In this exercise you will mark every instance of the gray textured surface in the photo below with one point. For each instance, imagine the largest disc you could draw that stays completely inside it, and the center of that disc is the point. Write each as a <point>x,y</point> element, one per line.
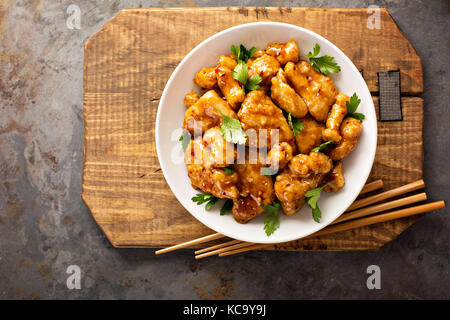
<point>44,225</point>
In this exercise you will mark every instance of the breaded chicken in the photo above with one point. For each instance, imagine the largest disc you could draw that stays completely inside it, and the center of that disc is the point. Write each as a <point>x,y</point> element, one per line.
<point>230,87</point>
<point>205,112</point>
<point>228,61</point>
<point>259,112</point>
<point>334,120</point>
<point>286,97</point>
<point>335,178</point>
<point>311,136</point>
<point>190,99</point>
<point>303,173</point>
<point>284,52</point>
<point>255,190</point>
<point>266,66</point>
<point>316,89</point>
<point>205,176</point>
<point>350,129</point>
<point>279,156</point>
<point>206,78</point>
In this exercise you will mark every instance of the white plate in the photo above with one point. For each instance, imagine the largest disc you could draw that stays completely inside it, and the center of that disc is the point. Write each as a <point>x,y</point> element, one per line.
<point>170,118</point>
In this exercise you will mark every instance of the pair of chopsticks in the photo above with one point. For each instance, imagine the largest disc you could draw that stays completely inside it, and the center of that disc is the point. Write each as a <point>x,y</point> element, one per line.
<point>357,215</point>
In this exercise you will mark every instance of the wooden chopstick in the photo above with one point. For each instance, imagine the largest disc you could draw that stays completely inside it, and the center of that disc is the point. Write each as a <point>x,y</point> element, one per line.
<point>377,184</point>
<point>372,186</point>
<point>233,247</point>
<point>210,237</point>
<point>227,246</point>
<point>416,185</point>
<point>381,207</point>
<point>356,224</point>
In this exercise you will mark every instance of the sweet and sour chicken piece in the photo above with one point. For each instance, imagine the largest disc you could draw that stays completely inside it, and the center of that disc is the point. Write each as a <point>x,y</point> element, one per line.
<point>228,61</point>
<point>303,173</point>
<point>190,99</point>
<point>206,78</point>
<point>280,155</point>
<point>205,113</point>
<point>311,136</point>
<point>286,97</point>
<point>335,178</point>
<point>334,120</point>
<point>266,66</point>
<point>284,52</point>
<point>259,112</point>
<point>205,176</point>
<point>316,89</point>
<point>350,129</point>
<point>255,190</point>
<point>230,87</point>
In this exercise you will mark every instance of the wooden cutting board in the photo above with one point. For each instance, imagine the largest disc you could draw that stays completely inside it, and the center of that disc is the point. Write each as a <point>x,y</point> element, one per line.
<point>126,66</point>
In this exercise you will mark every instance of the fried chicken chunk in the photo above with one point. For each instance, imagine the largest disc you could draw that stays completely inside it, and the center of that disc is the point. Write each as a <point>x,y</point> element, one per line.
<point>259,112</point>
<point>350,130</point>
<point>206,78</point>
<point>255,190</point>
<point>228,61</point>
<point>311,136</point>
<point>286,97</point>
<point>280,155</point>
<point>205,112</point>
<point>266,66</point>
<point>335,178</point>
<point>316,89</point>
<point>303,173</point>
<point>199,159</point>
<point>190,99</point>
<point>230,87</point>
<point>334,120</point>
<point>284,52</point>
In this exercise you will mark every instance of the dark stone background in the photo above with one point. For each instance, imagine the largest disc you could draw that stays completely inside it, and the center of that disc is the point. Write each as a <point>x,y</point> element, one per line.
<point>45,226</point>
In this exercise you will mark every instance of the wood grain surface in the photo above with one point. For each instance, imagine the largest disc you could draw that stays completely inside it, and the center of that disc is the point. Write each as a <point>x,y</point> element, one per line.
<point>126,66</point>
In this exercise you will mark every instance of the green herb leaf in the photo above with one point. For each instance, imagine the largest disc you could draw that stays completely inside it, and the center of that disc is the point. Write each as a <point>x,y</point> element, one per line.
<point>295,124</point>
<point>252,82</point>
<point>324,64</point>
<point>236,51</point>
<point>274,207</point>
<point>240,72</point>
<point>226,208</point>
<point>323,146</point>
<point>352,105</point>
<point>312,196</point>
<point>201,198</point>
<point>185,140</point>
<point>232,131</point>
<point>268,171</point>
<point>228,170</point>
<point>245,53</point>
<point>211,203</point>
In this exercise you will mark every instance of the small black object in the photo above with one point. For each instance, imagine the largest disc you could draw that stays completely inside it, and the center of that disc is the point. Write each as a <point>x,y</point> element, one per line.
<point>390,99</point>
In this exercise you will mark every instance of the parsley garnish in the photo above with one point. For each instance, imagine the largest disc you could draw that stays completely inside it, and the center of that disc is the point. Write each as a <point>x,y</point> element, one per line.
<point>185,139</point>
<point>352,105</point>
<point>226,208</point>
<point>314,195</point>
<point>201,198</point>
<point>232,131</point>
<point>241,52</point>
<point>228,170</point>
<point>267,171</point>
<point>240,73</point>
<point>296,125</point>
<point>324,64</point>
<point>323,146</point>
<point>271,222</point>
